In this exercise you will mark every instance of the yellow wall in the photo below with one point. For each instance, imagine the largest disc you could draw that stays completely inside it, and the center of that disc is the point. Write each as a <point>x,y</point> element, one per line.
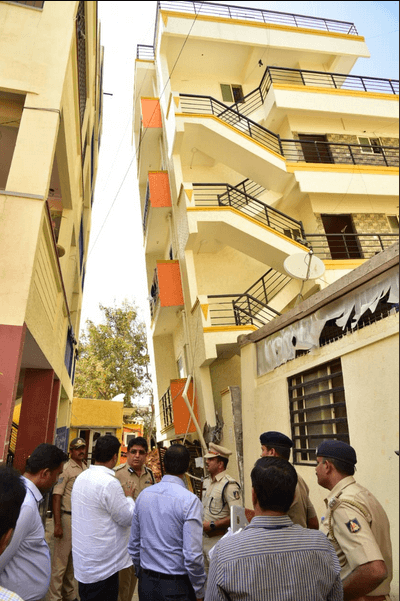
<point>95,413</point>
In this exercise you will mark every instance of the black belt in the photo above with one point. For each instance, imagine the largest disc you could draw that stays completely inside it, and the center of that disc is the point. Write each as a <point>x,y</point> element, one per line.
<point>67,512</point>
<point>160,576</point>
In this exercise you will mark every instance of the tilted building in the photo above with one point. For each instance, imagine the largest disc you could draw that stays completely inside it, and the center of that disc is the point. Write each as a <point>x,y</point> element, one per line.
<point>50,125</point>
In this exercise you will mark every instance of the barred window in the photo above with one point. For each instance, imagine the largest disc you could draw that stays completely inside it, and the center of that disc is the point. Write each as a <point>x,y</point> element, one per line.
<point>317,409</point>
<point>28,3</point>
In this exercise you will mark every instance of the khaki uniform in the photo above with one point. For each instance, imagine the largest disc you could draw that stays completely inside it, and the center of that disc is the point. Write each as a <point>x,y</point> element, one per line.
<point>217,507</point>
<point>359,529</point>
<point>62,584</point>
<point>302,510</point>
<point>130,479</point>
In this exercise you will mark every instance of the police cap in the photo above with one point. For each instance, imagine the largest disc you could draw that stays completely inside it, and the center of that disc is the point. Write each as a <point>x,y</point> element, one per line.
<point>336,449</point>
<point>276,439</point>
<point>217,451</point>
<point>77,443</point>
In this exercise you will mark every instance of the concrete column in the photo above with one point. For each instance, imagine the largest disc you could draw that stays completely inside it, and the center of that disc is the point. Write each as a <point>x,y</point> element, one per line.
<point>35,413</point>
<point>51,426</point>
<point>11,347</point>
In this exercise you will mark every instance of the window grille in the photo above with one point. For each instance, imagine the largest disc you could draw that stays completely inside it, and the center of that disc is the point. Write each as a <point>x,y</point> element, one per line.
<point>317,409</point>
<point>33,3</point>
<point>81,56</point>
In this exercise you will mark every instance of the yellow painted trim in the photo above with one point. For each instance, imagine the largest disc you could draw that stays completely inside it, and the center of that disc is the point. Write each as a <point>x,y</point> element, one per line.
<point>196,304</point>
<point>189,194</point>
<point>227,329</point>
<point>344,265</point>
<point>169,105</point>
<point>142,60</point>
<point>158,172</point>
<point>340,168</point>
<point>331,34</point>
<point>225,391</point>
<point>149,98</point>
<point>205,308</point>
<point>200,116</point>
<point>164,17</point>
<point>265,227</point>
<point>177,101</point>
<point>167,262</point>
<point>334,91</point>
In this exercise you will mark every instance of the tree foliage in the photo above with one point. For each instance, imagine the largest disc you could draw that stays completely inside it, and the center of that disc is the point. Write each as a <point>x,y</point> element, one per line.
<point>113,356</point>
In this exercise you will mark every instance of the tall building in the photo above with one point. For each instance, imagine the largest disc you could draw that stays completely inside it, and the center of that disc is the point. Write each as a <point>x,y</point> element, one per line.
<point>255,143</point>
<point>50,124</point>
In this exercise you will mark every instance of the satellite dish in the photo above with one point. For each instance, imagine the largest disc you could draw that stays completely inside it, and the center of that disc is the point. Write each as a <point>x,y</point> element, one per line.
<point>304,267</point>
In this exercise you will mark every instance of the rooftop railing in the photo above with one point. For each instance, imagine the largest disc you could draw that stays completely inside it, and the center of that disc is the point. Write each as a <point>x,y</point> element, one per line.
<point>350,246</point>
<point>227,11</point>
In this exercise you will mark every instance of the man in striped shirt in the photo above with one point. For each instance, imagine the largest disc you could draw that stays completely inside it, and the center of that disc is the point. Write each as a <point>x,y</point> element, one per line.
<point>274,559</point>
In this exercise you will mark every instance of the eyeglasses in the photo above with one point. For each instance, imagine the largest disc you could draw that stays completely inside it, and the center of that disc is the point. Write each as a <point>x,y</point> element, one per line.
<point>138,452</point>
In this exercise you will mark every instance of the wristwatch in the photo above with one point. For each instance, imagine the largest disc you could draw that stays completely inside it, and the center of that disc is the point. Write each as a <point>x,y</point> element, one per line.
<point>212,526</point>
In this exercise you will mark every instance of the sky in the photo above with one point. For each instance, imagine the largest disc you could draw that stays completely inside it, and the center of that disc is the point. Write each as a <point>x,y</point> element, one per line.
<point>116,267</point>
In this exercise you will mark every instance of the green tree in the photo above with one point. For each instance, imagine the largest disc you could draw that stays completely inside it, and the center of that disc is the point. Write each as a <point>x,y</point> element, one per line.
<point>113,357</point>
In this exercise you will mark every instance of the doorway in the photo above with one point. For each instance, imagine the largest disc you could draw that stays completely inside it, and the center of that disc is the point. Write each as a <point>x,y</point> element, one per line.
<point>342,237</point>
<point>315,149</point>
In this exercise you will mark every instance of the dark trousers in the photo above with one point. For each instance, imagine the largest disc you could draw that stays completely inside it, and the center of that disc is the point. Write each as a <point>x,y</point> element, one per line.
<point>107,590</point>
<point>160,587</point>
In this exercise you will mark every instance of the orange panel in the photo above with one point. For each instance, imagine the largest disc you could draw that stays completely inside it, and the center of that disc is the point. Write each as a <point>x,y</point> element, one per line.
<point>170,284</point>
<point>151,113</point>
<point>160,193</point>
<point>181,412</point>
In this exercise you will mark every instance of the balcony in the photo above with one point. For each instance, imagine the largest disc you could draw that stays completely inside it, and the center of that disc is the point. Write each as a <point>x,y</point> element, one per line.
<point>166,297</point>
<point>157,207</point>
<point>173,409</point>
<point>344,247</point>
<point>260,16</point>
<point>293,151</point>
<point>145,53</point>
<point>148,151</point>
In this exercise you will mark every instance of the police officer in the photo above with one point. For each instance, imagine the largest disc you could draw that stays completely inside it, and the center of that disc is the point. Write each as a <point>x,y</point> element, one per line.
<point>62,584</point>
<point>357,525</point>
<point>134,476</point>
<point>220,493</point>
<point>302,511</point>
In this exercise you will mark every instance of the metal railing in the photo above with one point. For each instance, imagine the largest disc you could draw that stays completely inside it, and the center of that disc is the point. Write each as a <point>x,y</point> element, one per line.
<point>166,410</point>
<point>268,286</point>
<point>261,16</point>
<point>154,295</point>
<point>146,209</point>
<point>350,246</point>
<point>340,153</point>
<point>228,310</point>
<point>224,195</point>
<point>145,53</point>
<point>300,77</point>
<point>291,150</point>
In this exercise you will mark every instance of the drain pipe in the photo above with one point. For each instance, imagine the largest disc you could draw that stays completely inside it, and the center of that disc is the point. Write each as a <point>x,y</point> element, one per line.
<point>192,415</point>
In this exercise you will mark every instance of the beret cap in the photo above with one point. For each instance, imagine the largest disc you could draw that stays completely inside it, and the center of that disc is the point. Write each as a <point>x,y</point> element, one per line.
<point>270,439</point>
<point>336,449</point>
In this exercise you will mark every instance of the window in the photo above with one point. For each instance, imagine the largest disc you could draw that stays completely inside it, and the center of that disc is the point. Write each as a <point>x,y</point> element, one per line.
<point>35,4</point>
<point>370,145</point>
<point>181,368</point>
<point>232,93</point>
<point>317,409</point>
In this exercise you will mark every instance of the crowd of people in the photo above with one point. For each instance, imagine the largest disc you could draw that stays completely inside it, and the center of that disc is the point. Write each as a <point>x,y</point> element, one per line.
<point>116,529</point>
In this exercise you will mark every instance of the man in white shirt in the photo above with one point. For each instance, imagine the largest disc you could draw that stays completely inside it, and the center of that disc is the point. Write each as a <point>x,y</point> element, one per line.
<point>12,495</point>
<point>101,520</point>
<point>25,565</point>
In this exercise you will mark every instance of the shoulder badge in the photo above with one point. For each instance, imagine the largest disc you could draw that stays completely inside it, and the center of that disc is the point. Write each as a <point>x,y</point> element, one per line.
<point>236,494</point>
<point>119,467</point>
<point>353,526</point>
<point>60,480</point>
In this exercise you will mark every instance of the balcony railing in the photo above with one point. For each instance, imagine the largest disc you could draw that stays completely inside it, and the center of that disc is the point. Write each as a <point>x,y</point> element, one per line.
<point>145,53</point>
<point>166,410</point>
<point>261,16</point>
<point>224,195</point>
<point>146,209</point>
<point>33,3</point>
<point>154,295</point>
<point>268,287</point>
<point>350,246</point>
<point>300,77</point>
<point>239,310</point>
<point>291,150</point>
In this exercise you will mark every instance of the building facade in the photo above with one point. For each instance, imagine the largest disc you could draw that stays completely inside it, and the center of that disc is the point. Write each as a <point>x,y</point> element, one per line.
<point>50,125</point>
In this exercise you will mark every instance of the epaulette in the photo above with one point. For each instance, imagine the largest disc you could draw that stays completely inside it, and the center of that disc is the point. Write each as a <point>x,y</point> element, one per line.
<point>119,467</point>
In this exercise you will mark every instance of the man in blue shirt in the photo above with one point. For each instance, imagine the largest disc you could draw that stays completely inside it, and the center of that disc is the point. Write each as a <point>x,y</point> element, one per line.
<point>12,495</point>
<point>273,559</point>
<point>25,566</point>
<point>167,535</point>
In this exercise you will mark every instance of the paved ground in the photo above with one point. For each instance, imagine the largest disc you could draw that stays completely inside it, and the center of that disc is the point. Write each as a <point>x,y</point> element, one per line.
<point>50,541</point>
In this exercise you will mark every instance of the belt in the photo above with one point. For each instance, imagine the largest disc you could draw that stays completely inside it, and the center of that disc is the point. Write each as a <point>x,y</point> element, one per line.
<point>67,512</point>
<point>161,576</point>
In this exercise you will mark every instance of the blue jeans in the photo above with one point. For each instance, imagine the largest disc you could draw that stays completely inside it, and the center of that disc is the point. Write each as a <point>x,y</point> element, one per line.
<point>161,587</point>
<point>107,590</point>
